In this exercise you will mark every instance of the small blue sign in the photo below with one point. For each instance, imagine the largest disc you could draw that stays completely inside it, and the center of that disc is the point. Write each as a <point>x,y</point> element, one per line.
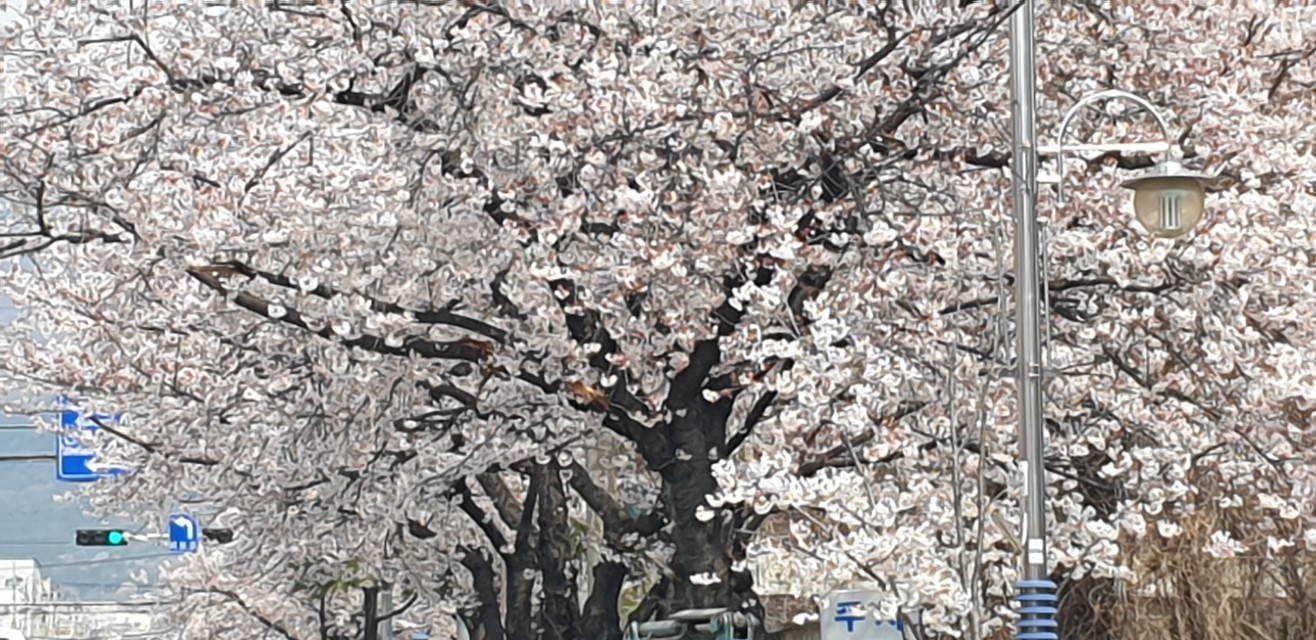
<point>73,459</point>
<point>184,533</point>
<point>849,615</point>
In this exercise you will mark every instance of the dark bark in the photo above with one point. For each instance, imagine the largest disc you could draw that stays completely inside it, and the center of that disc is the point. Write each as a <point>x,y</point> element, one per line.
<point>370,608</point>
<point>521,568</point>
<point>560,607</point>
<point>695,437</point>
<point>654,601</point>
<point>485,622</point>
<point>616,522</point>
<point>704,547</point>
<point>494,487</point>
<point>601,619</point>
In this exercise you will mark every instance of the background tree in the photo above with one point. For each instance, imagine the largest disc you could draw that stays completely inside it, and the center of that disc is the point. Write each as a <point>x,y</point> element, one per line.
<point>520,308</point>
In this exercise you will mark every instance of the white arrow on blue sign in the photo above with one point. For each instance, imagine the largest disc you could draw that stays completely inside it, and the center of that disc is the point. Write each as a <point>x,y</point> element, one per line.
<point>73,459</point>
<point>184,533</point>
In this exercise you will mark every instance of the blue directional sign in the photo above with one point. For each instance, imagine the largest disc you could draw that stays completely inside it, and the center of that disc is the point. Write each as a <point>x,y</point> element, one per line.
<point>73,459</point>
<point>184,533</point>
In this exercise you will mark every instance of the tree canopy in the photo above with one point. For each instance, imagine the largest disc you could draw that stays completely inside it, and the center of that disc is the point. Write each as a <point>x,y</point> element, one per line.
<point>527,309</point>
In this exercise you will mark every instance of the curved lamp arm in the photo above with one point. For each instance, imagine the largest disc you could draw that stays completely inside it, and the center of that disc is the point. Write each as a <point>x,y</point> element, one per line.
<point>1110,94</point>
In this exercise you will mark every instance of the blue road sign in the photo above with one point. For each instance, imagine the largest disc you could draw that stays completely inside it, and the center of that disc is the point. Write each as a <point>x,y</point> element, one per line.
<point>184,533</point>
<point>73,459</point>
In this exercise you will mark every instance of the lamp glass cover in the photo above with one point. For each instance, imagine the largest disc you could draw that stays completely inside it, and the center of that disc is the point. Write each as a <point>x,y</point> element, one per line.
<point>1169,207</point>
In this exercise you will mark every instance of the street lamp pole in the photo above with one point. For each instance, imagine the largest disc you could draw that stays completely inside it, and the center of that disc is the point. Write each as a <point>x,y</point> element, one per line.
<point>1168,201</point>
<point>1037,595</point>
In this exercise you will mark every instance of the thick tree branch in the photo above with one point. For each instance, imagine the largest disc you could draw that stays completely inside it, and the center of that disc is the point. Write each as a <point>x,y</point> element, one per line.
<point>509,508</point>
<point>687,384</point>
<point>485,621</point>
<point>560,607</point>
<point>585,326</point>
<point>482,519</point>
<point>521,568</point>
<point>616,522</point>
<point>438,392</point>
<point>652,443</point>
<point>601,618</point>
<point>446,315</point>
<point>465,349</point>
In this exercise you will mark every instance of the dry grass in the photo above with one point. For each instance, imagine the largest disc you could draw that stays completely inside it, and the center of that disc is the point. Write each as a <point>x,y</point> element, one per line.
<point>1184,593</point>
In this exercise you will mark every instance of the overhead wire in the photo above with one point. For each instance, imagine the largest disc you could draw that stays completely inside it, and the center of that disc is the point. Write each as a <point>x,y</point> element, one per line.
<point>100,561</point>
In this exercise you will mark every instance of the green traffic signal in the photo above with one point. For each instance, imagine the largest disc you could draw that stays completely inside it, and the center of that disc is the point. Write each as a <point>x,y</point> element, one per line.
<point>102,538</point>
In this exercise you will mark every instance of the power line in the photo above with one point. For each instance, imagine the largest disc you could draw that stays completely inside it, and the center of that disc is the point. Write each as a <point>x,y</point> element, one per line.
<point>32,457</point>
<point>73,604</point>
<point>84,563</point>
<point>148,634</point>
<point>110,585</point>
<point>131,636</point>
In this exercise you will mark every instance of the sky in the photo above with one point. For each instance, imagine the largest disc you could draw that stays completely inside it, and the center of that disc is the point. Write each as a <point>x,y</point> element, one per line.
<point>34,525</point>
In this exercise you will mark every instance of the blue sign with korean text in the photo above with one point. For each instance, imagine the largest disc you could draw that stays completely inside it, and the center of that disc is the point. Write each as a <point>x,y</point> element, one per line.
<point>851,615</point>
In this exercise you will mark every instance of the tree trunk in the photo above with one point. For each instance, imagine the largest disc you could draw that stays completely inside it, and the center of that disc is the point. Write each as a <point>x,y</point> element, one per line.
<point>370,608</point>
<point>701,547</point>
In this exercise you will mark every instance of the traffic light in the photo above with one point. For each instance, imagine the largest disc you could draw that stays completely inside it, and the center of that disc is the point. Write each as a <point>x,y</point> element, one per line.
<point>218,536</point>
<point>102,538</point>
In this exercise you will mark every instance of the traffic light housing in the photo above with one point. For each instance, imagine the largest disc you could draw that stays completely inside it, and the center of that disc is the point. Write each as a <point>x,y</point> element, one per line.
<point>218,536</point>
<point>102,538</point>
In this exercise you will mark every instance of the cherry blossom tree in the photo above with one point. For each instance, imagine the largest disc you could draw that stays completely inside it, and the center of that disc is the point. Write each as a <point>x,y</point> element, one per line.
<point>520,310</point>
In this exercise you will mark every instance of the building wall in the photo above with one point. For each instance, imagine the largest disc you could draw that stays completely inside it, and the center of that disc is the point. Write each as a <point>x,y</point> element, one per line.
<point>21,583</point>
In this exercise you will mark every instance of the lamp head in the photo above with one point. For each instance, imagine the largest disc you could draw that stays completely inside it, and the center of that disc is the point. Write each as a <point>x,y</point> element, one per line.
<point>1168,200</point>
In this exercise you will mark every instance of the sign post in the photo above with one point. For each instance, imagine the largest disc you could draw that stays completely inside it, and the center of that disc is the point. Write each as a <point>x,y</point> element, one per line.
<point>851,614</point>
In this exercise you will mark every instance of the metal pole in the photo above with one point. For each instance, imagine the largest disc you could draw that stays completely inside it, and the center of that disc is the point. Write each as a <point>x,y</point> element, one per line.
<point>386,609</point>
<point>1037,595</point>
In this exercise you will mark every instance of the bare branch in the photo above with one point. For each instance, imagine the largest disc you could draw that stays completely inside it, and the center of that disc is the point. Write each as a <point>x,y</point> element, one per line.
<point>465,349</point>
<point>262,618</point>
<point>752,419</point>
<point>839,456</point>
<point>482,519</point>
<point>486,620</point>
<point>274,159</point>
<point>151,447</point>
<point>445,316</point>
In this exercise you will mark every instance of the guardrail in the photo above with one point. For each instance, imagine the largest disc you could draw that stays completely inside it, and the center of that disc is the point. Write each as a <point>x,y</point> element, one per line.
<point>720,622</point>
